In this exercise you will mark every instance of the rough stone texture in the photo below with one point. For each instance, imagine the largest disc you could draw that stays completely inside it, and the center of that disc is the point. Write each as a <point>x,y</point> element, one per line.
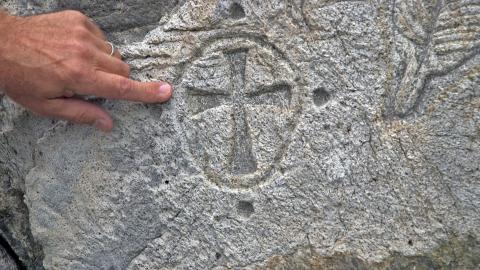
<point>6,260</point>
<point>16,148</point>
<point>17,144</point>
<point>303,135</point>
<point>123,21</point>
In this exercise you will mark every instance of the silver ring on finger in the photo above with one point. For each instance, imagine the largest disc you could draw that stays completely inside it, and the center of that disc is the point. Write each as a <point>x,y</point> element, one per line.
<point>113,48</point>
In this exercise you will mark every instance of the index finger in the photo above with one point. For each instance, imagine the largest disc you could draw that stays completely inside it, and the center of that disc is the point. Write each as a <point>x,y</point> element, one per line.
<point>114,86</point>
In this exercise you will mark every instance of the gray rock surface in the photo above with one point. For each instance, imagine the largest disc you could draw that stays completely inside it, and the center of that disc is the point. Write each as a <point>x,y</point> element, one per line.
<point>6,260</point>
<point>303,135</point>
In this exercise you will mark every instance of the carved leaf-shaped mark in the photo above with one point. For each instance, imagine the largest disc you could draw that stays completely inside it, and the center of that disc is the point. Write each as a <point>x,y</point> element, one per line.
<point>433,38</point>
<point>418,25</point>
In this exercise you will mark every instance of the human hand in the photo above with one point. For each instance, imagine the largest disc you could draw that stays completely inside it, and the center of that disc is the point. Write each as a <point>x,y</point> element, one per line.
<point>48,62</point>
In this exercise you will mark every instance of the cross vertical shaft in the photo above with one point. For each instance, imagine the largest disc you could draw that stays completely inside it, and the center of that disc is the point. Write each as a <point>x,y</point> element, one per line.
<point>243,161</point>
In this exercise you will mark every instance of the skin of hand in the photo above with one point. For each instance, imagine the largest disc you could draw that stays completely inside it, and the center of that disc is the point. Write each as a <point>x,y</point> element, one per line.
<point>48,62</point>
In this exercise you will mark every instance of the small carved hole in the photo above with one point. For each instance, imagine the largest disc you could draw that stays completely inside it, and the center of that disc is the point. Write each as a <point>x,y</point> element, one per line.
<point>218,255</point>
<point>236,11</point>
<point>321,96</point>
<point>245,208</point>
<point>167,182</point>
<point>410,242</point>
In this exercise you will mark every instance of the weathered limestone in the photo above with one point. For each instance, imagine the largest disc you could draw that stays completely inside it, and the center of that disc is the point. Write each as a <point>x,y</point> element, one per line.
<point>303,134</point>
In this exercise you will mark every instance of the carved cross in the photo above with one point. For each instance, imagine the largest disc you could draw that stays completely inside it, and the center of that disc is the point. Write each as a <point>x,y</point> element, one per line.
<point>237,96</point>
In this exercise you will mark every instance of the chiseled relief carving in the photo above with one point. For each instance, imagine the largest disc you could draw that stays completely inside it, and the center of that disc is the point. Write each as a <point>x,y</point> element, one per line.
<point>432,38</point>
<point>241,98</point>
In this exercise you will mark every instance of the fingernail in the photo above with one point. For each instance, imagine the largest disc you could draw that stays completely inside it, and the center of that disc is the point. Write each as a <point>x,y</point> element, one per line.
<point>102,124</point>
<point>165,90</point>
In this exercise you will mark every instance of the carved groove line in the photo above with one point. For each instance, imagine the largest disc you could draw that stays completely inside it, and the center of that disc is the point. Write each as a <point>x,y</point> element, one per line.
<point>8,256</point>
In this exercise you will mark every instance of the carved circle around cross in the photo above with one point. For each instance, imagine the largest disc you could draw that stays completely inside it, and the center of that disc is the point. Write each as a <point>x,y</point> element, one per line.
<point>239,102</point>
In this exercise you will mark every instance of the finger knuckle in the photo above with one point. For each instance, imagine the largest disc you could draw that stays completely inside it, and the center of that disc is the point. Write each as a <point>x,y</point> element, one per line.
<point>76,16</point>
<point>76,72</point>
<point>81,117</point>
<point>81,33</point>
<point>125,86</point>
<point>68,93</point>
<point>81,49</point>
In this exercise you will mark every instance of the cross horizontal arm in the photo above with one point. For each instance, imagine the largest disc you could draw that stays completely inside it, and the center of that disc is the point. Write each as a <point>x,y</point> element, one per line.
<point>200,100</point>
<point>276,95</point>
